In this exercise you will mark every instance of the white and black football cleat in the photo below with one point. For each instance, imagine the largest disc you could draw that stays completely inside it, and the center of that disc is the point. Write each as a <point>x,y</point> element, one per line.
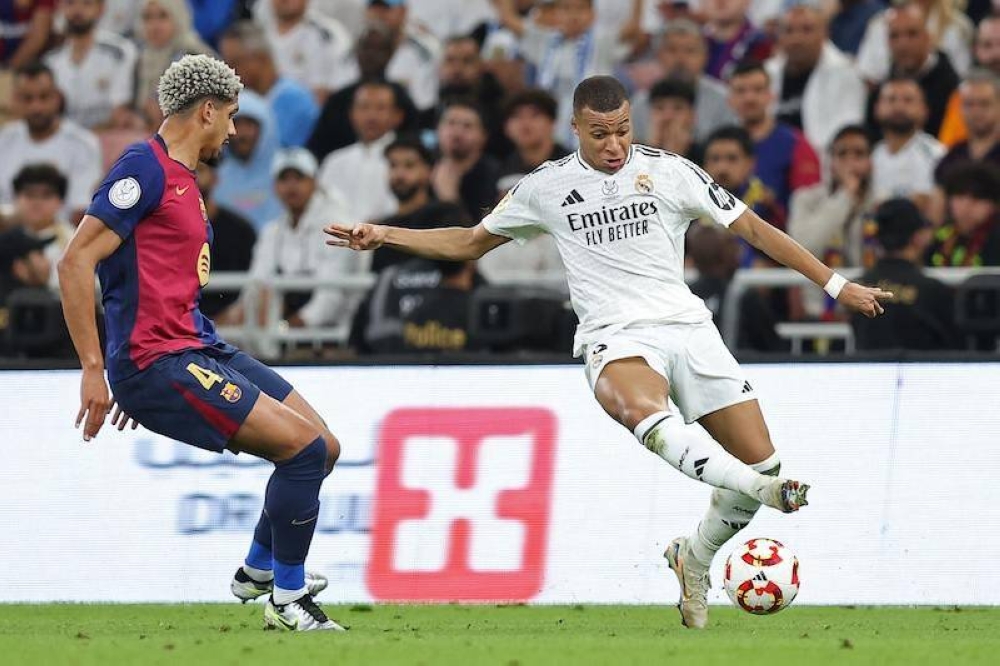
<point>303,614</point>
<point>247,589</point>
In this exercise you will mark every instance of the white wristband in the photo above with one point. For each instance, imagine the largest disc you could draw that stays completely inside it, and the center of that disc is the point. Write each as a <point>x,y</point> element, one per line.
<point>834,285</point>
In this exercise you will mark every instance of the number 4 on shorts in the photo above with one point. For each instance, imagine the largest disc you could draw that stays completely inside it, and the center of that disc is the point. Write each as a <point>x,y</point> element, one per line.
<point>206,378</point>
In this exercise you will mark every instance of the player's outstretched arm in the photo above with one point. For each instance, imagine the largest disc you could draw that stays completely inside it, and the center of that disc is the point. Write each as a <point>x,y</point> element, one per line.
<point>786,251</point>
<point>452,243</point>
<point>93,242</point>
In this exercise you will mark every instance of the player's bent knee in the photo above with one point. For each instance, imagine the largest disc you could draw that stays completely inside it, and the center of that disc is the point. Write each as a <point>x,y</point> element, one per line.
<point>632,414</point>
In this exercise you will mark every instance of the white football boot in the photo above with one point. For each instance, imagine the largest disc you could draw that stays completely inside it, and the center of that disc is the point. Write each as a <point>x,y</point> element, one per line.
<point>300,615</point>
<point>694,583</point>
<point>247,589</point>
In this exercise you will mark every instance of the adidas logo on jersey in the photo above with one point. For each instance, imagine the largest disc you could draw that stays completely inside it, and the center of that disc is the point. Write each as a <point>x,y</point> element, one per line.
<point>572,198</point>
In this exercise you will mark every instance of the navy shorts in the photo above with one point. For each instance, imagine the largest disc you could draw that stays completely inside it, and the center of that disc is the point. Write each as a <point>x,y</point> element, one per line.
<point>199,396</point>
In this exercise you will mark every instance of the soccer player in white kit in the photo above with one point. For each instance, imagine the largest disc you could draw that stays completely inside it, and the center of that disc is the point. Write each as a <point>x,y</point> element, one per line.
<point>618,213</point>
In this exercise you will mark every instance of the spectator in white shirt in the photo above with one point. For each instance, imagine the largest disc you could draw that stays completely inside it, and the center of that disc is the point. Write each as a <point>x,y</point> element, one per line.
<point>309,47</point>
<point>451,18</point>
<point>43,136</point>
<point>291,245</point>
<point>360,170</point>
<point>815,85</point>
<point>415,55</point>
<point>94,69</point>
<point>903,161</point>
<point>39,192</point>
<point>573,51</point>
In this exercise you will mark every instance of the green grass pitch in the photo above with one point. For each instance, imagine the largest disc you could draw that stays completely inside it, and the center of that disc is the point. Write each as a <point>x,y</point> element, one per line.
<point>222,634</point>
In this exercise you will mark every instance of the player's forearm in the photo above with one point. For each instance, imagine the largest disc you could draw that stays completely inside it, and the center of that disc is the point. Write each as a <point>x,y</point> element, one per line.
<point>784,249</point>
<point>451,243</point>
<point>76,284</point>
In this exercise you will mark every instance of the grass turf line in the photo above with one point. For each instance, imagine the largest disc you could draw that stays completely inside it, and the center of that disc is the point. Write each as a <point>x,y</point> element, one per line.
<point>220,634</point>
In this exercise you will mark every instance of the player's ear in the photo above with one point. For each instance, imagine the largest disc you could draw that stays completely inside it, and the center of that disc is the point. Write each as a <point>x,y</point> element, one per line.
<point>575,126</point>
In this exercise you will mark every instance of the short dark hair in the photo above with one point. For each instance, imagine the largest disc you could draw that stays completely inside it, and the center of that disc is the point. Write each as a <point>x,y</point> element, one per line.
<point>979,180</point>
<point>41,174</point>
<point>673,89</point>
<point>599,93</point>
<point>411,142</point>
<point>749,66</point>
<point>733,133</point>
<point>897,221</point>
<point>533,97</point>
<point>901,78</point>
<point>397,94</point>
<point>469,103</point>
<point>851,130</point>
<point>34,69</point>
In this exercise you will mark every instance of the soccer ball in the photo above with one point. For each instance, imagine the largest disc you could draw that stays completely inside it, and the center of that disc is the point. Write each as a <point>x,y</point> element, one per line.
<point>762,576</point>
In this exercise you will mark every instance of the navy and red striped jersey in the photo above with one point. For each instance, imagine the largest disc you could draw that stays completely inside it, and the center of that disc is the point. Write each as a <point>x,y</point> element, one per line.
<point>152,283</point>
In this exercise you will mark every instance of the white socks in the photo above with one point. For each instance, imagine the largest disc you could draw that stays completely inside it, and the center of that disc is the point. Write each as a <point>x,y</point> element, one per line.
<point>282,597</point>
<point>728,513</point>
<point>696,454</point>
<point>258,575</point>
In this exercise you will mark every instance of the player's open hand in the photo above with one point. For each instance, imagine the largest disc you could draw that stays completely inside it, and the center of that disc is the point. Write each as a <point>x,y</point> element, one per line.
<point>95,402</point>
<point>364,236</point>
<point>865,300</point>
<point>119,418</point>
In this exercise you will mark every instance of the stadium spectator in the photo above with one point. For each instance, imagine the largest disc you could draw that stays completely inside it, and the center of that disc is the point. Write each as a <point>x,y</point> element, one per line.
<point>987,55</point>
<point>25,29</point>
<point>410,168</point>
<point>288,245</point>
<point>350,13</point>
<point>732,38</point>
<point>816,86</point>
<point>120,17</point>
<point>42,135</point>
<point>829,219</point>
<point>716,255</point>
<point>372,53</point>
<point>415,53</point>
<point>682,55</point>
<point>39,193</point>
<point>672,118</point>
<point>360,170</point>
<point>850,21</point>
<point>463,75</point>
<point>451,18</point>
<point>464,174</point>
<point>529,120</point>
<point>729,159</point>
<point>308,47</point>
<point>166,34</point>
<point>785,161</point>
<point>942,25</point>
<point>31,323</point>
<point>971,233</point>
<point>904,160</point>
<point>980,104</point>
<point>232,245</point>
<point>572,51</point>
<point>912,53</point>
<point>921,315</point>
<point>93,69</point>
<point>245,181</point>
<point>245,46</point>
<point>417,306</point>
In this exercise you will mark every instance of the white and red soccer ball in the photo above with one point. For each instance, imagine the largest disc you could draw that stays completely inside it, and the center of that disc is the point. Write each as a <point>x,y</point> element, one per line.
<point>762,576</point>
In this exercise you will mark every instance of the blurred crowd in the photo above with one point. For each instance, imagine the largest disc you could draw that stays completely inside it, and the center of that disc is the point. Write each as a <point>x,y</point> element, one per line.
<point>868,131</point>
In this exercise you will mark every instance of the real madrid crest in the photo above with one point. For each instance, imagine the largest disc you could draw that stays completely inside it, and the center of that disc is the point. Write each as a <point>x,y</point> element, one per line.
<point>644,184</point>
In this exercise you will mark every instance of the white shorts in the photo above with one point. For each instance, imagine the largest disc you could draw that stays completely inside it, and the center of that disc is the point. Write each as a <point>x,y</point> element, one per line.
<point>703,375</point>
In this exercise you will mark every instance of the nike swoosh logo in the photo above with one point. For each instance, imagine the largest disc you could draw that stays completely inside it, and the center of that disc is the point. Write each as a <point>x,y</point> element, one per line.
<point>289,625</point>
<point>180,191</point>
<point>304,522</point>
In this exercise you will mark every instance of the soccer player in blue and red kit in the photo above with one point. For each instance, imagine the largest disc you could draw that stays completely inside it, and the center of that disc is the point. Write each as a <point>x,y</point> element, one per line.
<point>147,235</point>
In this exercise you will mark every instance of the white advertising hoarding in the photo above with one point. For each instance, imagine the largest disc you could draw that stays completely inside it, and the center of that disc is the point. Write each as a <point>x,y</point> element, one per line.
<point>510,483</point>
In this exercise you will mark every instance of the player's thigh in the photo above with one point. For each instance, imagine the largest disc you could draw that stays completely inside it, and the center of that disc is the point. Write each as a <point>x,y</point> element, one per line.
<point>741,430</point>
<point>273,431</point>
<point>629,390</point>
<point>277,387</point>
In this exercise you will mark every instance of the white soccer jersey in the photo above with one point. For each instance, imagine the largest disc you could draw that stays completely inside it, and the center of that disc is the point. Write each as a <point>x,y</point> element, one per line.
<point>621,236</point>
<point>103,80</point>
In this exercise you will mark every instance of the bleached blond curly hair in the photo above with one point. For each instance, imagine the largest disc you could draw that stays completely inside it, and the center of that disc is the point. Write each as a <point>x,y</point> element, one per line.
<point>192,79</point>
